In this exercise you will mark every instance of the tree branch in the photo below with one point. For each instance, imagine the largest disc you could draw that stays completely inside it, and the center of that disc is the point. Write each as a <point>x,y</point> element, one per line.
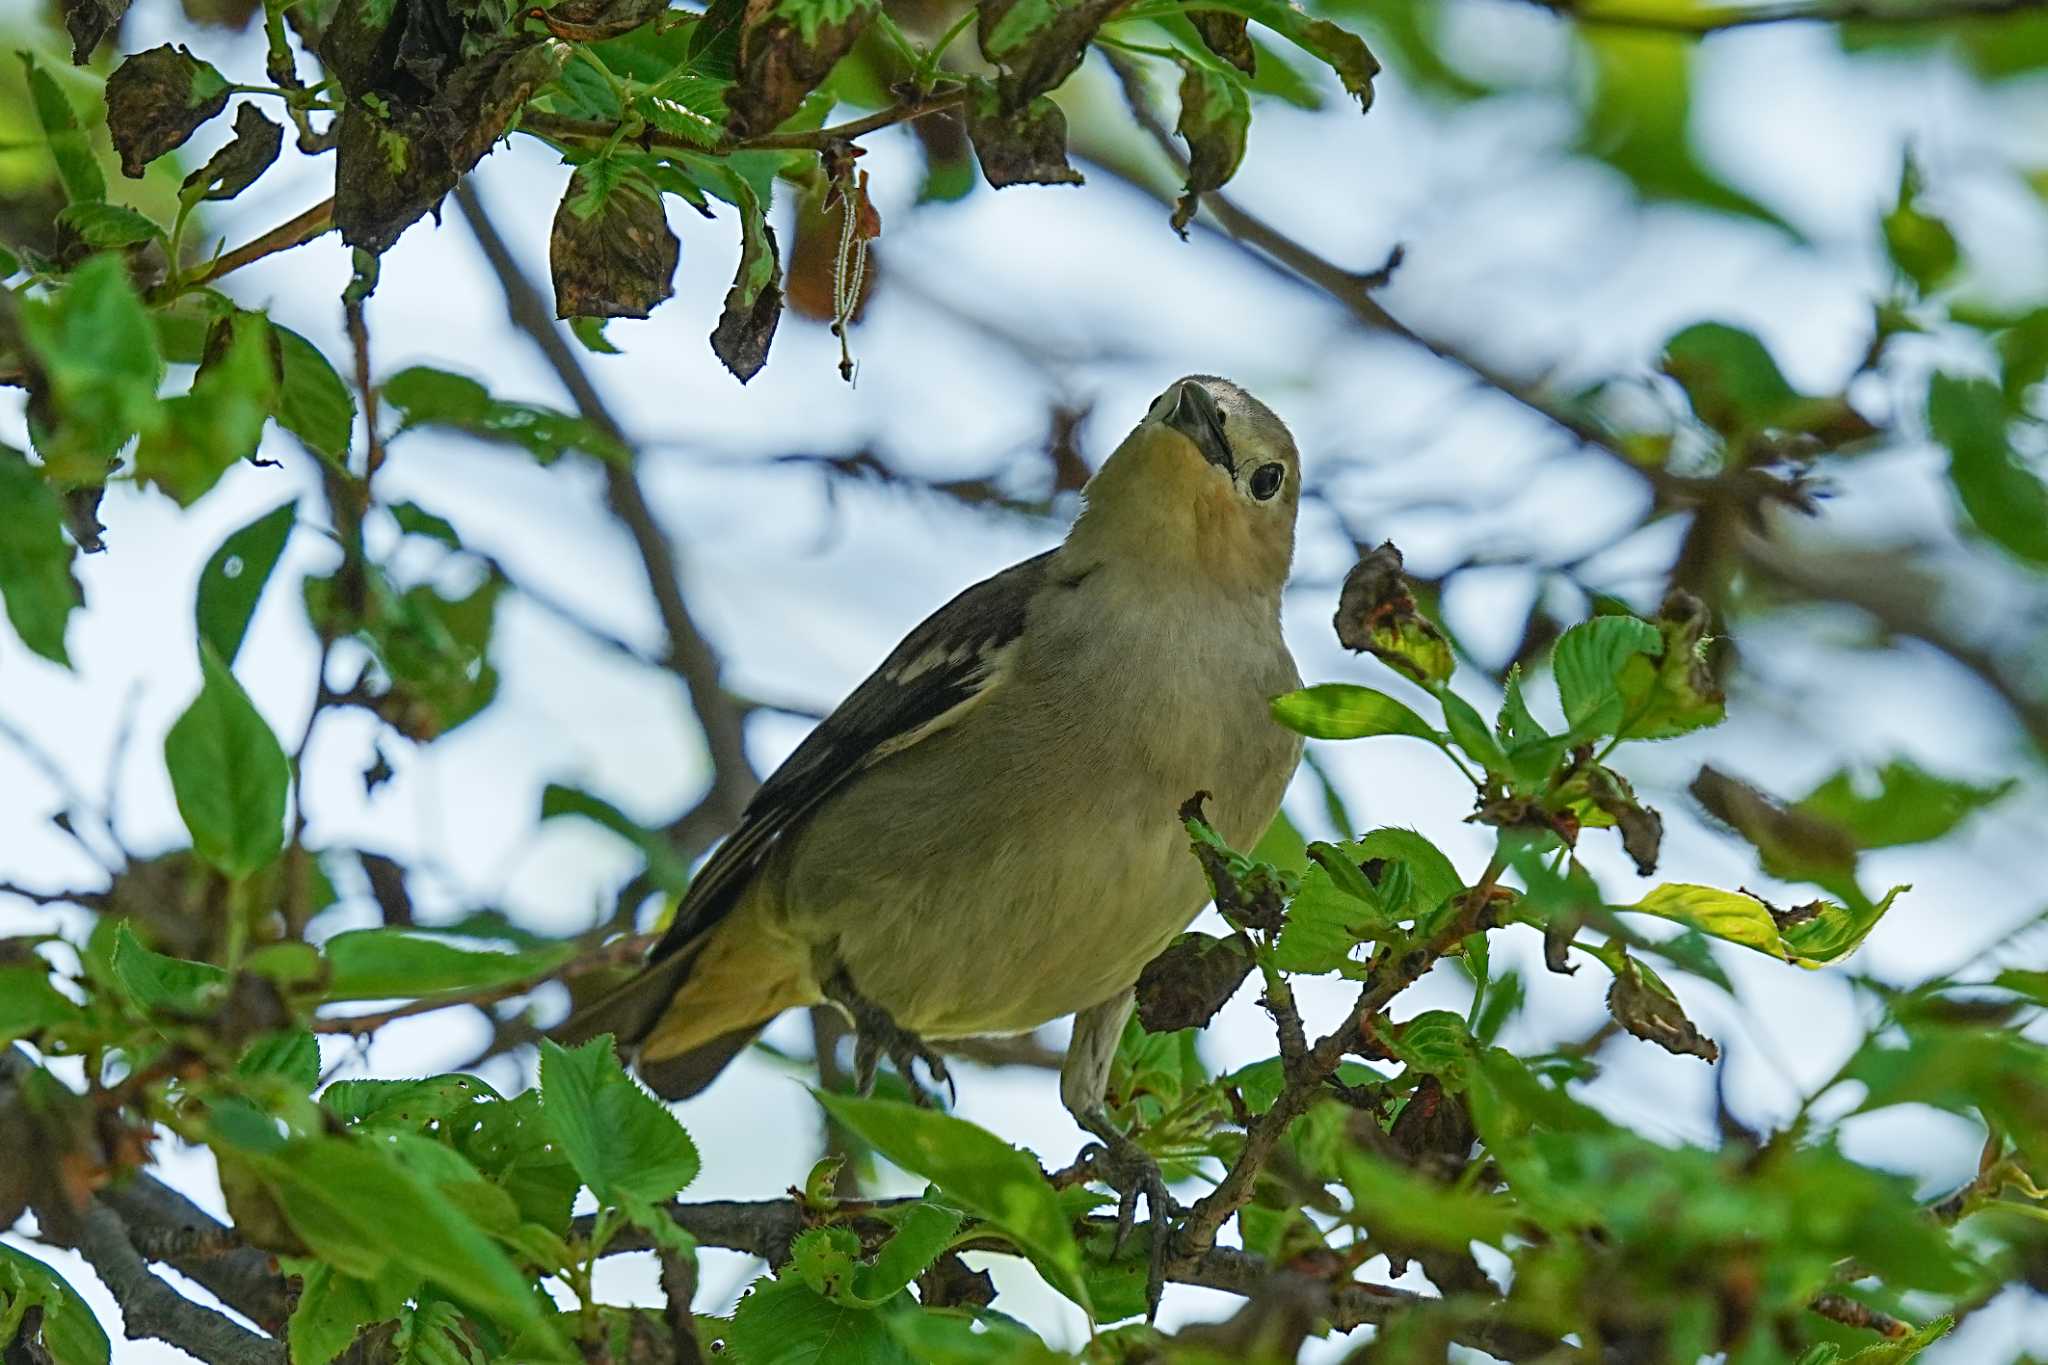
<point>150,1308</point>
<point>689,656</point>
<point>561,128</point>
<point>1713,19</point>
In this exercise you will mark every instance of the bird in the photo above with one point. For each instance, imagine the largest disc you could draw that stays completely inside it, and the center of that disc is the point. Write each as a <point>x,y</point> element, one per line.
<point>984,836</point>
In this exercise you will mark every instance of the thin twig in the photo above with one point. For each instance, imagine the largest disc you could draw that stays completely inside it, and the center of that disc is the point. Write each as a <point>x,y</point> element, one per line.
<point>690,656</point>
<point>314,222</point>
<point>1720,18</point>
<point>561,128</point>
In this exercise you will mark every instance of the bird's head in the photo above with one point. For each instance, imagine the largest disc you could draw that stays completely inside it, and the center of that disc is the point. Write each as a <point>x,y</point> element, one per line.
<point>1208,483</point>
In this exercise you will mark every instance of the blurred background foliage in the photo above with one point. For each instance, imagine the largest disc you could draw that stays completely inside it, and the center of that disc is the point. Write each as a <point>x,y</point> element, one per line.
<point>1591,302</point>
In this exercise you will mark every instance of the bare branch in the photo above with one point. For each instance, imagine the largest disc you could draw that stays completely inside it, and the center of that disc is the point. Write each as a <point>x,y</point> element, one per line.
<point>150,1308</point>
<point>1710,19</point>
<point>690,655</point>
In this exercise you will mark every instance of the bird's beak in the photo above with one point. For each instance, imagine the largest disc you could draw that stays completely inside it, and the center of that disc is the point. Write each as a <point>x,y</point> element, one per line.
<point>1194,416</point>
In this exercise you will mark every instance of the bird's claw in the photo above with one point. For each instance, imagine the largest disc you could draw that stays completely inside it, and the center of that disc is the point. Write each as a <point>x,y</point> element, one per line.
<point>1130,1170</point>
<point>877,1035</point>
<point>904,1050</point>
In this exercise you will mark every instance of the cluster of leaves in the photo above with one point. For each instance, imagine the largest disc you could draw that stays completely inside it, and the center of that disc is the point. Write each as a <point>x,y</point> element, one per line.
<point>433,1217</point>
<point>647,103</point>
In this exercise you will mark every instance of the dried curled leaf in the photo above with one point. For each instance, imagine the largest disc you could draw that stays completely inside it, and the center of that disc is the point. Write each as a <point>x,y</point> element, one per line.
<point>1215,117</point>
<point>1039,44</point>
<point>1224,34</point>
<point>1642,829</point>
<point>156,99</point>
<point>1195,977</point>
<point>235,167</point>
<point>1645,1006</point>
<point>88,22</point>
<point>611,251</point>
<point>786,48</point>
<point>1376,615</point>
<point>1027,147</point>
<point>753,306</point>
<point>395,161</point>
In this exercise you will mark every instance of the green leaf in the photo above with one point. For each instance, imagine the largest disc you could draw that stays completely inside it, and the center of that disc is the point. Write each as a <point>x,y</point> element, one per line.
<point>429,397</point>
<point>105,226</point>
<point>1469,730</point>
<point>589,334</point>
<point>156,100</point>
<point>2002,497</point>
<point>1731,380</point>
<point>1920,244</point>
<point>1335,910</point>
<point>1348,711</point>
<point>390,963</point>
<point>1215,118</point>
<point>1588,662</point>
<point>98,349</point>
<point>163,985</point>
<point>1436,1043</point>
<point>313,403</point>
<point>333,1308</point>
<point>70,1334</point>
<point>365,1214</point>
<point>77,168</point>
<point>1908,806</point>
<point>1811,935</point>
<point>220,421</point>
<point>228,773</point>
<point>955,1338</point>
<point>29,1002</point>
<point>406,1105</point>
<point>977,1170</point>
<point>512,1142</point>
<point>233,579</point>
<point>293,1055</point>
<point>1905,1348</point>
<point>416,520</point>
<point>783,1322</point>
<point>623,1142</point>
<point>35,563</point>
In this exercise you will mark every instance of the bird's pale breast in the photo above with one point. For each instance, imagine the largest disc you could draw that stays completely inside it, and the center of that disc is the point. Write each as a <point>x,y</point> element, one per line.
<point>1028,861</point>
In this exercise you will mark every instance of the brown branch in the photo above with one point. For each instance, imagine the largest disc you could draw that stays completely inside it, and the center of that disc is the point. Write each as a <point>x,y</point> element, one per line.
<point>150,1308</point>
<point>1709,20</point>
<point>766,1228</point>
<point>314,222</point>
<point>561,128</point>
<point>689,656</point>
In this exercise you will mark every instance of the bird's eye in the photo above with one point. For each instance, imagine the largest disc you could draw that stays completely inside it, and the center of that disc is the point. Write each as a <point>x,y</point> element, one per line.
<point>1266,481</point>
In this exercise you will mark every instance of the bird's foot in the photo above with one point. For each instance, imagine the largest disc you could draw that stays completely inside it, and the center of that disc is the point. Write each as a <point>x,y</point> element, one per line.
<point>1129,1169</point>
<point>877,1035</point>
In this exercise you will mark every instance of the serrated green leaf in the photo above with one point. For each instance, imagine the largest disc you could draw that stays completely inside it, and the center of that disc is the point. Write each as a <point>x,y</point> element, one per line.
<point>293,1055</point>
<point>622,1141</point>
<point>976,1170</point>
<point>156,983</point>
<point>1589,661</point>
<point>1908,804</point>
<point>77,168</point>
<point>784,1322</point>
<point>333,1308</point>
<point>106,226</point>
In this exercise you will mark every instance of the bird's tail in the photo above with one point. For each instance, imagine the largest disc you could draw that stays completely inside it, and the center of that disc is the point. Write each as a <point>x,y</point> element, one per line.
<point>684,1017</point>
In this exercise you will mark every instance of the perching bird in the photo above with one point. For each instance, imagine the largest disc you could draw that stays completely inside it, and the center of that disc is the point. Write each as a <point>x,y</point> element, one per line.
<point>984,836</point>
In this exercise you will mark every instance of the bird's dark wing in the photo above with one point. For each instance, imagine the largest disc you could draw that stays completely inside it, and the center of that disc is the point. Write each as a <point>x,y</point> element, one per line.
<point>939,673</point>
